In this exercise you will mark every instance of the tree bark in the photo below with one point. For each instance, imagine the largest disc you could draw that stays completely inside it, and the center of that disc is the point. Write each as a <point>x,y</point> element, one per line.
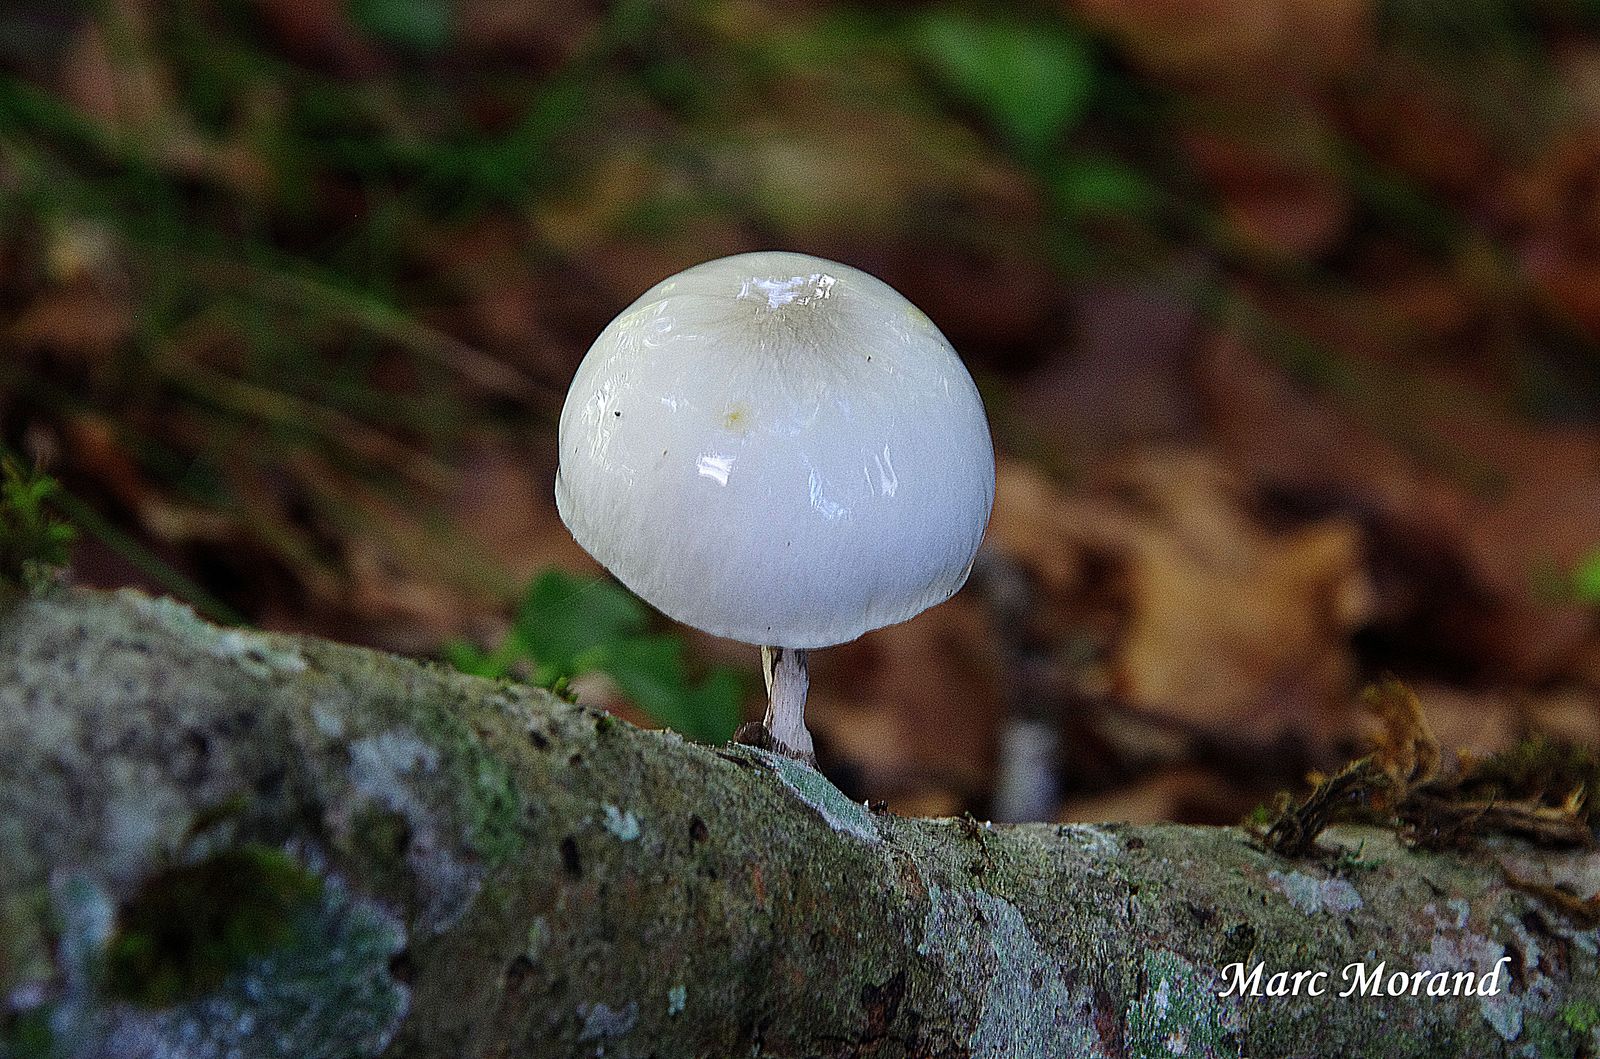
<point>223,843</point>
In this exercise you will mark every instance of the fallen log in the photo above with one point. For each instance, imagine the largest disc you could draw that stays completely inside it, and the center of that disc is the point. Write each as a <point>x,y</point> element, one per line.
<point>216,842</point>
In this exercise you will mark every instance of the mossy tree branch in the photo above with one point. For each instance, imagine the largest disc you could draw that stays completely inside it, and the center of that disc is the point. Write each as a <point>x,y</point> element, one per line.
<point>215,840</point>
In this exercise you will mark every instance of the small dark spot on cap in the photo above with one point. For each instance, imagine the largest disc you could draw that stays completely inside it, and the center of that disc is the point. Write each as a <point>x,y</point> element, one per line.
<point>569,857</point>
<point>698,832</point>
<point>538,739</point>
<point>617,414</point>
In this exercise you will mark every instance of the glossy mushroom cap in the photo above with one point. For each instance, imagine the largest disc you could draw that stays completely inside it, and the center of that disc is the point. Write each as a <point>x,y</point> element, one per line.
<point>777,449</point>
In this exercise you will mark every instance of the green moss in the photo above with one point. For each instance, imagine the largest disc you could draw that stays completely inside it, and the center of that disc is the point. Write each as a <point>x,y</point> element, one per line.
<point>191,926</point>
<point>1561,1037</point>
<point>1581,1015</point>
<point>1180,1013</point>
<point>487,802</point>
<point>32,540</point>
<point>494,811</point>
<point>326,992</point>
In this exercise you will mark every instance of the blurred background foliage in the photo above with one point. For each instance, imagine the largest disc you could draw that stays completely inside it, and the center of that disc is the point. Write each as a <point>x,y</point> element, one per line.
<point>1287,313</point>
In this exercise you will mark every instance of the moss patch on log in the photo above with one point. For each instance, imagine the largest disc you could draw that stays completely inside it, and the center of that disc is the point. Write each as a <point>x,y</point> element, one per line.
<point>192,925</point>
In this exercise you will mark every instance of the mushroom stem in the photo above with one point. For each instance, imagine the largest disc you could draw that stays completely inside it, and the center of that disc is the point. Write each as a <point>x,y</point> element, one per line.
<point>785,670</point>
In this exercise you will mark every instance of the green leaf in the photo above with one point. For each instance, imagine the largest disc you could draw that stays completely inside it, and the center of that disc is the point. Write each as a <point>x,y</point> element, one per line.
<point>650,671</point>
<point>569,625</point>
<point>1097,186</point>
<point>1032,81</point>
<point>423,25</point>
<point>563,616</point>
<point>717,704</point>
<point>1586,579</point>
<point>469,658</point>
<point>511,165</point>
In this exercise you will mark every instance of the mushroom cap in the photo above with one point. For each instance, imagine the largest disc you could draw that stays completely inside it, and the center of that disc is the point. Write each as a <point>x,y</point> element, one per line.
<point>777,449</point>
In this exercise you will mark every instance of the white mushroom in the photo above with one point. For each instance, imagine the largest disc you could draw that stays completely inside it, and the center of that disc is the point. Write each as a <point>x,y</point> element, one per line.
<point>781,450</point>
